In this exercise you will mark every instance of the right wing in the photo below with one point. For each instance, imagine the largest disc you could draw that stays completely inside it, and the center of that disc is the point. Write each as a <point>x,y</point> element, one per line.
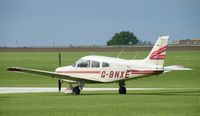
<point>49,74</point>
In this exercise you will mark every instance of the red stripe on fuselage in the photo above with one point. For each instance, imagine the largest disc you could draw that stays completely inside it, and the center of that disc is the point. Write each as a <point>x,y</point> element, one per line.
<point>146,71</point>
<point>91,72</point>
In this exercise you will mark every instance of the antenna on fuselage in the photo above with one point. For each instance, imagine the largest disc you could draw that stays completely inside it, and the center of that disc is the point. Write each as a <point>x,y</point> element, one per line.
<point>120,53</point>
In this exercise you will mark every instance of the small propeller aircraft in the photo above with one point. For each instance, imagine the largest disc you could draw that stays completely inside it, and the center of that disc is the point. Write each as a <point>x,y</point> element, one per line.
<point>102,69</point>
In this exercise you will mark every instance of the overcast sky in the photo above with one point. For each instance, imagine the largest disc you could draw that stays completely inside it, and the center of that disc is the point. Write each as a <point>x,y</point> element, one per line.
<point>93,22</point>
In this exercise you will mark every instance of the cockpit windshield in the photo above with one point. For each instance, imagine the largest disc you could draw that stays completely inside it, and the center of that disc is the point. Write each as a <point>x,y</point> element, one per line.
<point>83,63</point>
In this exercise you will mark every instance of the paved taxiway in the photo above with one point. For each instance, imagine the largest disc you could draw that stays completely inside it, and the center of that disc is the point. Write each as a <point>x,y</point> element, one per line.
<point>4,90</point>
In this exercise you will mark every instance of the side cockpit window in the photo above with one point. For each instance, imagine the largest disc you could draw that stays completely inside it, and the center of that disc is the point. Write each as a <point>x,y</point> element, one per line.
<point>104,64</point>
<point>95,64</point>
<point>84,64</point>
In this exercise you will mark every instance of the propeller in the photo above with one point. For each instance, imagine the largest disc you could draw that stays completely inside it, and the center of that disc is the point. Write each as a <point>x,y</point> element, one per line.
<point>59,59</point>
<point>59,85</point>
<point>59,81</point>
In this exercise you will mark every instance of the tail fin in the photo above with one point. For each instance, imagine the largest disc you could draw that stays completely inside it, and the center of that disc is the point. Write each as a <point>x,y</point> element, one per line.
<point>157,54</point>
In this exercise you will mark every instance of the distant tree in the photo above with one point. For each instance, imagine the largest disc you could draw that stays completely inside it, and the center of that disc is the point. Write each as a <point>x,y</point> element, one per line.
<point>123,38</point>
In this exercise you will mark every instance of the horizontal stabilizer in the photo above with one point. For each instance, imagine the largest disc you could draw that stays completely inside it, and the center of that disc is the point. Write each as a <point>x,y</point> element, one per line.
<point>175,67</point>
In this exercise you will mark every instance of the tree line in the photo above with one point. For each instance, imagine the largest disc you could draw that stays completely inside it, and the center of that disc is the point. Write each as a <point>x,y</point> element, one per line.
<point>126,38</point>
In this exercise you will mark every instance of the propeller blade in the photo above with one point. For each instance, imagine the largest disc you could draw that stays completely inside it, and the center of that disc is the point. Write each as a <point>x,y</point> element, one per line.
<point>59,85</point>
<point>59,59</point>
<point>59,81</point>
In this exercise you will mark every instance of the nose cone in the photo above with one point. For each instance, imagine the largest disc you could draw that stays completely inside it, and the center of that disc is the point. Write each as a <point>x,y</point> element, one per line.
<point>58,69</point>
<point>63,69</point>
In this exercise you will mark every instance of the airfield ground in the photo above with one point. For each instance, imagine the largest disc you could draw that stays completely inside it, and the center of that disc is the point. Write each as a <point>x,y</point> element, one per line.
<point>150,102</point>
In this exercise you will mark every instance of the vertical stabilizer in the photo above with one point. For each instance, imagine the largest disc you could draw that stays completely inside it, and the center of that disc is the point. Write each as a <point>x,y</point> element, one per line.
<point>158,52</point>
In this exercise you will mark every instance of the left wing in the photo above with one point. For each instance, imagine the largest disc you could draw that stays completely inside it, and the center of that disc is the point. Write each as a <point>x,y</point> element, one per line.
<point>49,74</point>
<point>175,67</point>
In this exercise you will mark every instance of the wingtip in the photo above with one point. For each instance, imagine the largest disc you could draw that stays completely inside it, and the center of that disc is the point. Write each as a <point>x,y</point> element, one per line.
<point>13,69</point>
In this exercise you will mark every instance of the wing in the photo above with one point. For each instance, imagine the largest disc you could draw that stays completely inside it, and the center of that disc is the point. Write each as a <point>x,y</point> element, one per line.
<point>49,74</point>
<point>175,67</point>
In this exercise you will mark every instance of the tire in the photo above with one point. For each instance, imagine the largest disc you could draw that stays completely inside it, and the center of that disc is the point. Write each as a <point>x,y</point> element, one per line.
<point>122,90</point>
<point>76,90</point>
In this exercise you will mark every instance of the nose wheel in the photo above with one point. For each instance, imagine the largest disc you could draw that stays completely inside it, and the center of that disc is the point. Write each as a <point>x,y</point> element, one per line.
<point>76,90</point>
<point>73,90</point>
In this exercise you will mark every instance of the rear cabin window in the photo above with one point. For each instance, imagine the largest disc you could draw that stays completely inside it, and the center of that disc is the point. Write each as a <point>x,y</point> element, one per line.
<point>95,64</point>
<point>104,64</point>
<point>84,64</point>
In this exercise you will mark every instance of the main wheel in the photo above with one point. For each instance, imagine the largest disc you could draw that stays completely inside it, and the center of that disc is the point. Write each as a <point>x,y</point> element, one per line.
<point>122,90</point>
<point>76,90</point>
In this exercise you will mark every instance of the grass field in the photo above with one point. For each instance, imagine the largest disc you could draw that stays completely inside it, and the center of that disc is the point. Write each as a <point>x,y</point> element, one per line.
<point>166,102</point>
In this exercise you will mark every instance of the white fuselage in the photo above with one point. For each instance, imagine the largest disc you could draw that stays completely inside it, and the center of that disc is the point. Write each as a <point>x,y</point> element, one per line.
<point>109,69</point>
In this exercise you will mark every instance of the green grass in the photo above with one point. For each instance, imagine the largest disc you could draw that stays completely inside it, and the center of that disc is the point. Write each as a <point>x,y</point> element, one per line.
<point>48,61</point>
<point>158,103</point>
<point>145,103</point>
